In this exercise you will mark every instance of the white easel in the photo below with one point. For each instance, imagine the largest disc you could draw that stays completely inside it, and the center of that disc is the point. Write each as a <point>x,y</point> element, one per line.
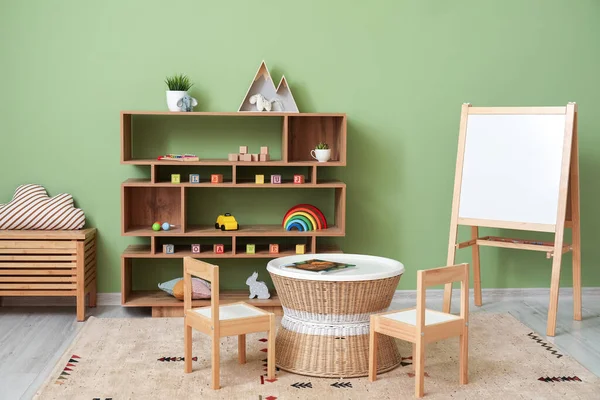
<point>518,168</point>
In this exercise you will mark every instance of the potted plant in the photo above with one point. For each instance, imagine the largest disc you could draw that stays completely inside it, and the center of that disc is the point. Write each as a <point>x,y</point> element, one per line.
<point>178,86</point>
<point>321,153</point>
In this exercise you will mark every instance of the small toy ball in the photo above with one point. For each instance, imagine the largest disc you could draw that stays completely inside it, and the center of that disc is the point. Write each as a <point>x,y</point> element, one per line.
<point>156,226</point>
<point>166,226</point>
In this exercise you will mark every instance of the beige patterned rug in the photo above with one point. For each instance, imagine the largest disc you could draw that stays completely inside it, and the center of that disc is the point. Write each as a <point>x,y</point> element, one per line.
<point>140,358</point>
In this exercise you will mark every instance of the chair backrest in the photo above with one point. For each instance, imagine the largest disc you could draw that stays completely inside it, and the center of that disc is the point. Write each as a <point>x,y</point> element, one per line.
<point>441,276</point>
<point>208,272</point>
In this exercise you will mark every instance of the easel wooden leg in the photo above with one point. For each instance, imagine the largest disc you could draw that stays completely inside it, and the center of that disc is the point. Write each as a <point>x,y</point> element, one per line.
<point>554,286</point>
<point>575,224</point>
<point>449,261</point>
<point>476,271</point>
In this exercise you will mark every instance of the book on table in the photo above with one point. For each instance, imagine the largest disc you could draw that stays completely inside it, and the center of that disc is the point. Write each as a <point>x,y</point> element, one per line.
<point>319,266</point>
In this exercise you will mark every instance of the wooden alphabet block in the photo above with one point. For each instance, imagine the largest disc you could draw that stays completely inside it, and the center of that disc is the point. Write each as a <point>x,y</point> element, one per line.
<point>300,248</point>
<point>254,157</point>
<point>168,248</point>
<point>250,249</point>
<point>275,178</point>
<point>273,248</point>
<point>195,249</point>
<point>264,157</point>
<point>260,179</point>
<point>243,149</point>
<point>194,178</point>
<point>298,178</point>
<point>245,157</point>
<point>233,157</point>
<point>216,178</point>
<point>264,150</point>
<point>219,248</point>
<point>175,178</point>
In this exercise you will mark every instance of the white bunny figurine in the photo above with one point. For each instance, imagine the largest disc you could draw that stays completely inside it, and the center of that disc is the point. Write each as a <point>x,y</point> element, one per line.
<point>257,288</point>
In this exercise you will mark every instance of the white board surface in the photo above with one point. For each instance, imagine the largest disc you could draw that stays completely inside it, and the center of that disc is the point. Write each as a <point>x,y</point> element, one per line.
<point>512,166</point>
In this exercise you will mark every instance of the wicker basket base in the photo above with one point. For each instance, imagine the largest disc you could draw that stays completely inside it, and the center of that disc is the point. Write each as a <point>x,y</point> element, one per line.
<point>332,357</point>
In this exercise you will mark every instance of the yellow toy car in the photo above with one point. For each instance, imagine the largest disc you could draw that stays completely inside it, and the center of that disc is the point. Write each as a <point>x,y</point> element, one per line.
<point>227,222</point>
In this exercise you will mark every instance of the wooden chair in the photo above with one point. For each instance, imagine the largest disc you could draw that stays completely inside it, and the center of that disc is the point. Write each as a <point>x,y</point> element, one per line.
<point>226,320</point>
<point>420,325</point>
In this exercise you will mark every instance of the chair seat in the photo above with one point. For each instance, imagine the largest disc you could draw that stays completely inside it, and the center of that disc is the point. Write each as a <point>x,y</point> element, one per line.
<point>231,311</point>
<point>410,317</point>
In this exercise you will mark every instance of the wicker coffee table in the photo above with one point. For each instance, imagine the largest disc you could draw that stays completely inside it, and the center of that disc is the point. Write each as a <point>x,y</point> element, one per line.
<point>325,328</point>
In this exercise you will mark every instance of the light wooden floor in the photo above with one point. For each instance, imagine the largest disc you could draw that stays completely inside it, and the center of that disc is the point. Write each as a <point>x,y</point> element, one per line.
<point>33,338</point>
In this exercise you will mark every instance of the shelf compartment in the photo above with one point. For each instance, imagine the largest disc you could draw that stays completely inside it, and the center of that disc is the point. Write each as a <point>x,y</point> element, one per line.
<point>223,161</point>
<point>304,133</point>
<point>143,251</point>
<point>142,206</point>
<point>136,182</point>
<point>249,230</point>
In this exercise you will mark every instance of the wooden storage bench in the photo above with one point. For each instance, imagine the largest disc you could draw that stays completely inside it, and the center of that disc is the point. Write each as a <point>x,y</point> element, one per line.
<point>49,263</point>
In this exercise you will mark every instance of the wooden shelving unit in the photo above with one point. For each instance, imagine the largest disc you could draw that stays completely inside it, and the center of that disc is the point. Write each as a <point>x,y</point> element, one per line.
<point>144,201</point>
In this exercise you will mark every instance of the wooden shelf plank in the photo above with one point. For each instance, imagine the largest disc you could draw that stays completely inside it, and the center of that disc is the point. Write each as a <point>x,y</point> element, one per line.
<point>225,162</point>
<point>246,231</point>
<point>139,182</point>
<point>234,114</point>
<point>143,251</point>
<point>158,298</point>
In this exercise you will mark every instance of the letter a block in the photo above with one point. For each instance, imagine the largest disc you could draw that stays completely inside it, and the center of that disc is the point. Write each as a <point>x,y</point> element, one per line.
<point>219,248</point>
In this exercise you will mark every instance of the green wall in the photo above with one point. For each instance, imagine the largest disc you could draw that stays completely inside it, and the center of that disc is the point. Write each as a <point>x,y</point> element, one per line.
<point>400,70</point>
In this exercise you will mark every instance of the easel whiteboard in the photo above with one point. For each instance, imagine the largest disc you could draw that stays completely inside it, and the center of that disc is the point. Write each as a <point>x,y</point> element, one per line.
<point>512,168</point>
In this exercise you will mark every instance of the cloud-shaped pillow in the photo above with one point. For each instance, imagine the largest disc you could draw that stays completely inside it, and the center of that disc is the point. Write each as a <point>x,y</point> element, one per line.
<point>32,208</point>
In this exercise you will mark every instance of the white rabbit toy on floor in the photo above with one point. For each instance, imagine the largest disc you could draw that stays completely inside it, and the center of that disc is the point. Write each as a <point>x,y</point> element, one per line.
<point>257,288</point>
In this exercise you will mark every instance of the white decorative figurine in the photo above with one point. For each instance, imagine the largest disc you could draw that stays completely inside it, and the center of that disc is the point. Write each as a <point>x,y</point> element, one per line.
<point>257,289</point>
<point>261,102</point>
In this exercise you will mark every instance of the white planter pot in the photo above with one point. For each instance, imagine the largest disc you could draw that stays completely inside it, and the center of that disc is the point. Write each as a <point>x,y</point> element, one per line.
<point>173,96</point>
<point>321,155</point>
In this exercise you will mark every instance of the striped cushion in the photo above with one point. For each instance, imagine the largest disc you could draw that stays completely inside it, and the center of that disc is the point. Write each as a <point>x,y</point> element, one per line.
<point>32,208</point>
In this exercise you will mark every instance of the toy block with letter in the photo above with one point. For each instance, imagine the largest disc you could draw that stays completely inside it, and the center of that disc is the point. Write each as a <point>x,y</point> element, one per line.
<point>216,178</point>
<point>260,179</point>
<point>275,178</point>
<point>264,150</point>
<point>233,157</point>
<point>219,248</point>
<point>298,178</point>
<point>194,178</point>
<point>250,249</point>
<point>273,248</point>
<point>195,249</point>
<point>243,149</point>
<point>175,178</point>
<point>300,248</point>
<point>168,248</point>
<point>245,157</point>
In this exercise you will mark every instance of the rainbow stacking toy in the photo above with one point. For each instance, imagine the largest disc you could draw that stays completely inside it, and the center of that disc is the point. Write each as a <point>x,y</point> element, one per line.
<point>304,217</point>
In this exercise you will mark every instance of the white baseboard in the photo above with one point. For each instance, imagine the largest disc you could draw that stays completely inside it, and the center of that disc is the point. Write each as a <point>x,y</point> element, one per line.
<point>498,294</point>
<point>114,299</point>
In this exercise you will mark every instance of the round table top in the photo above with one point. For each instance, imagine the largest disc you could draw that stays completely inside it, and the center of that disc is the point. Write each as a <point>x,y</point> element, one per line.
<point>364,267</point>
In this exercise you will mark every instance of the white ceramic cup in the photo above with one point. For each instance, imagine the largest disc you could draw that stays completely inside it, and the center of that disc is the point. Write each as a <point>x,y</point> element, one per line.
<point>321,155</point>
